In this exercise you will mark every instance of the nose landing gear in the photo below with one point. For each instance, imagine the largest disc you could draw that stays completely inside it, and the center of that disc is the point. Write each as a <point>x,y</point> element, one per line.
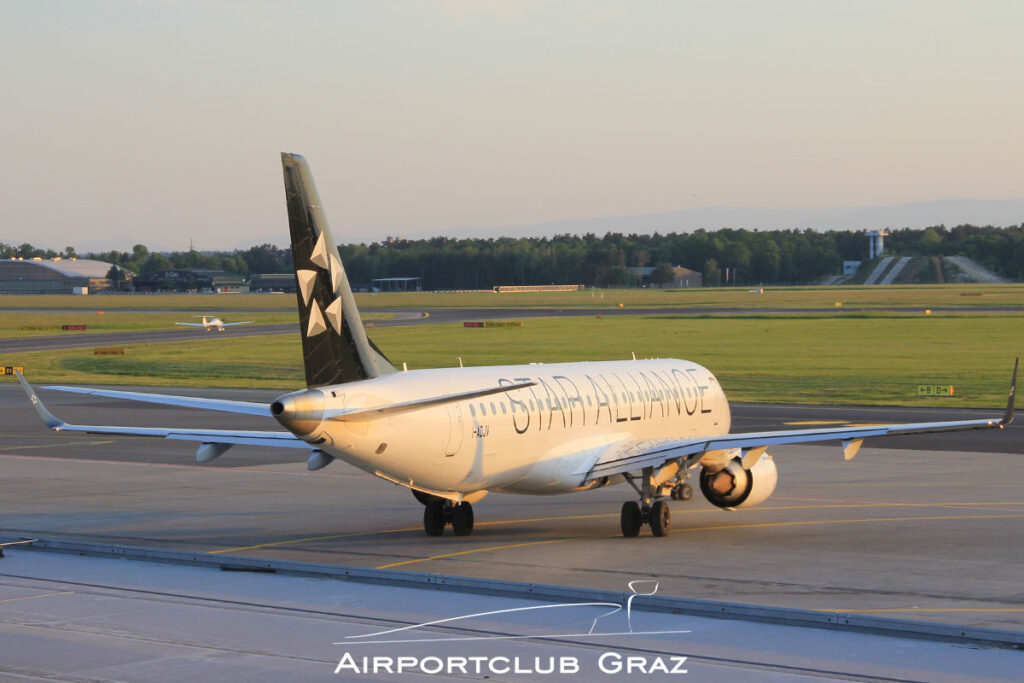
<point>439,513</point>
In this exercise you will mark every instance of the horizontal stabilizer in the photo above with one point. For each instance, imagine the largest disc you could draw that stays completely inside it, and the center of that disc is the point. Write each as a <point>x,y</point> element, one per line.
<point>223,405</point>
<point>218,436</point>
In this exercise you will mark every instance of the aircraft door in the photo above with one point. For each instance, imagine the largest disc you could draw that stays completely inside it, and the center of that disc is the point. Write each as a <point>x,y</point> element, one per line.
<point>455,429</point>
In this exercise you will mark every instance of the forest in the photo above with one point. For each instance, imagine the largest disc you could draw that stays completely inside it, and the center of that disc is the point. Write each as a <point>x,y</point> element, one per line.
<point>747,256</point>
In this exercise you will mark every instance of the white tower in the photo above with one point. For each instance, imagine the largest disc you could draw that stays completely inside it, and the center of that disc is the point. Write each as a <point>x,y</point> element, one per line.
<point>876,240</point>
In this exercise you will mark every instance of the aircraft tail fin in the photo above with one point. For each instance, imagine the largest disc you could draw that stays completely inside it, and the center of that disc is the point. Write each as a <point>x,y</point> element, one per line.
<point>335,348</point>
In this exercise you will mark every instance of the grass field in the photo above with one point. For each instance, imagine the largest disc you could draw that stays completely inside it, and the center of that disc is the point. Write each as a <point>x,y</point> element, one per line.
<point>923,296</point>
<point>848,359</point>
<point>19,324</point>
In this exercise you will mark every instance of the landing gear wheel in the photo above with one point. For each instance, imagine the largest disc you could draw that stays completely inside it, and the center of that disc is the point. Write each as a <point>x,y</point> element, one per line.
<point>682,492</point>
<point>631,519</point>
<point>433,517</point>
<point>462,519</point>
<point>661,518</point>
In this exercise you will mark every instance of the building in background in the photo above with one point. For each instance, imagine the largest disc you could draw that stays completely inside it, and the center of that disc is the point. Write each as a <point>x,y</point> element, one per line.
<point>681,278</point>
<point>272,282</point>
<point>876,243</point>
<point>189,280</point>
<point>53,276</point>
<point>396,284</point>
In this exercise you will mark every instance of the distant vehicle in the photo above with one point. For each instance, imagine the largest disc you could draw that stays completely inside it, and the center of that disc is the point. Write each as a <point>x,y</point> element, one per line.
<point>214,323</point>
<point>452,435</point>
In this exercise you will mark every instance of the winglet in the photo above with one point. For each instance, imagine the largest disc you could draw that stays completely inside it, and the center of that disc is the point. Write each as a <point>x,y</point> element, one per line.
<point>47,417</point>
<point>1008,415</point>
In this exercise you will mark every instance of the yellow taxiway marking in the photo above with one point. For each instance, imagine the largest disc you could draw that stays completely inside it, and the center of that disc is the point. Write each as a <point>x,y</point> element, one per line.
<point>546,519</point>
<point>33,597</point>
<point>929,484</point>
<point>925,609</point>
<point>311,538</point>
<point>476,550</point>
<point>707,528</point>
<point>835,506</point>
<point>845,521</point>
<point>396,531</point>
<point>54,445</point>
<point>499,522</point>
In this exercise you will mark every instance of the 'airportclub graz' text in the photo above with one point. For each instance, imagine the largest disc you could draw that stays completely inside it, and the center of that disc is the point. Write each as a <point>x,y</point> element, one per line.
<point>610,663</point>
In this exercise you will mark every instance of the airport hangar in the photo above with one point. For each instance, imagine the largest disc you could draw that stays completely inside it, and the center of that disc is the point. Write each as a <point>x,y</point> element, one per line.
<point>53,276</point>
<point>88,276</point>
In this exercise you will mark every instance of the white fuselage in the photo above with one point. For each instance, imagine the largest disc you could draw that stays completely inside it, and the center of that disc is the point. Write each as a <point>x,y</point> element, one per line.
<point>532,440</point>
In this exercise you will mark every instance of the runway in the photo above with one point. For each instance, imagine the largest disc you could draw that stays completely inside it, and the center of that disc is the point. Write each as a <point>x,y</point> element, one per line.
<point>403,317</point>
<point>928,534</point>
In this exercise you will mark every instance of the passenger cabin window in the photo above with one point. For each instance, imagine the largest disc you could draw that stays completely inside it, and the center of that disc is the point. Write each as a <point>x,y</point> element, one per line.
<point>472,410</point>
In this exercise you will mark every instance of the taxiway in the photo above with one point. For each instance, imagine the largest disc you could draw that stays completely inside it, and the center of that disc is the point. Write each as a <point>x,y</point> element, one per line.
<point>921,534</point>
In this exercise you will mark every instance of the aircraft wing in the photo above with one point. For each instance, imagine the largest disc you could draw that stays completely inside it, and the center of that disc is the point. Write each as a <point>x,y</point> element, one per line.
<point>220,436</point>
<point>191,324</point>
<point>634,456</point>
<point>244,322</point>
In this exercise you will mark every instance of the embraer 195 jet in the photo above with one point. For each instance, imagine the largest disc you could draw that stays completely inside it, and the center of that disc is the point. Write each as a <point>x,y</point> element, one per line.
<point>452,435</point>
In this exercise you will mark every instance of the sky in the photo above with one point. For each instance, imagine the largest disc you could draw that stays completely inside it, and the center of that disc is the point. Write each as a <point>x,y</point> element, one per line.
<point>160,122</point>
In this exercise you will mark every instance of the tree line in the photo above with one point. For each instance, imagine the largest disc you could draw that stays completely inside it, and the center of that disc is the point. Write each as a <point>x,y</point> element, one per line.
<point>727,256</point>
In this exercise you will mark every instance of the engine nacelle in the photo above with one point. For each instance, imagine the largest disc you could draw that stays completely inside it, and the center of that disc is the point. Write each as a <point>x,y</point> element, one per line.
<point>734,487</point>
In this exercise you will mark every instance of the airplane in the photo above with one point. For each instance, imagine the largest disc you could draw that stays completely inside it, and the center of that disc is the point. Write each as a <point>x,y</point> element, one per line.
<point>214,323</point>
<point>452,435</point>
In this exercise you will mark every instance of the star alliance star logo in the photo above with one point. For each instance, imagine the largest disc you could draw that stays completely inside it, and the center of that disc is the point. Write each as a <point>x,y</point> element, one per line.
<point>327,261</point>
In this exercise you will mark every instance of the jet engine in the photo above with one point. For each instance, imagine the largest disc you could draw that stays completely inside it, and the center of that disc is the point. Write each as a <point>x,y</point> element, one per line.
<point>733,487</point>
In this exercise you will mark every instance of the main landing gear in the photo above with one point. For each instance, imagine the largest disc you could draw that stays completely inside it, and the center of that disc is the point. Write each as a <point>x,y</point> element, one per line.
<point>439,513</point>
<point>655,513</point>
<point>682,492</point>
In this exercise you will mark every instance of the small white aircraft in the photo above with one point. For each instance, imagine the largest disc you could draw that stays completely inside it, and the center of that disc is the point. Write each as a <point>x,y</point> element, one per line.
<point>452,435</point>
<point>214,323</point>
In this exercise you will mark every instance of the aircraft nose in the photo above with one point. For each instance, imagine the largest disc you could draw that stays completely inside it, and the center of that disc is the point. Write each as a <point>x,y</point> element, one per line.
<point>300,412</point>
